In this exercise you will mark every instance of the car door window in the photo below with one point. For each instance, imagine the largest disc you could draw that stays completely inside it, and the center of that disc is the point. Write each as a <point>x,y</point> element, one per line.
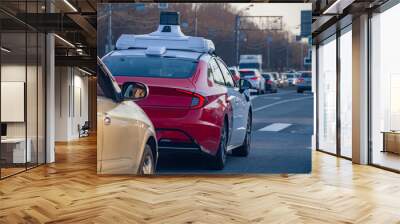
<point>99,90</point>
<point>227,75</point>
<point>105,85</point>
<point>216,73</point>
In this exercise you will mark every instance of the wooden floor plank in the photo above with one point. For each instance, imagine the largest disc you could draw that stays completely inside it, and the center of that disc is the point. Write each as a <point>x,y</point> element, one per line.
<point>70,191</point>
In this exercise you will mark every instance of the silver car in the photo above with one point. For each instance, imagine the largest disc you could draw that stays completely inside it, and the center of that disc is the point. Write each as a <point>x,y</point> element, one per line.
<point>292,78</point>
<point>304,82</point>
<point>255,78</point>
<point>126,139</point>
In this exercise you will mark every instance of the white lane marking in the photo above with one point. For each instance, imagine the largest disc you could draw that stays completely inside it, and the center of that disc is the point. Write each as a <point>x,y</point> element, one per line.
<point>279,94</point>
<point>281,102</point>
<point>275,127</point>
<point>274,98</point>
<point>273,95</point>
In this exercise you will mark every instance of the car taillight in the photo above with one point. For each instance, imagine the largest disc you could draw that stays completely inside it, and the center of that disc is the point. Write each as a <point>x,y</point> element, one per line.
<point>300,80</point>
<point>269,82</point>
<point>254,78</point>
<point>198,100</point>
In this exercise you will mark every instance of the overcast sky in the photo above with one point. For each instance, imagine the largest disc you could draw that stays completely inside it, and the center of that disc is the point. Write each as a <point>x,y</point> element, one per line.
<point>289,11</point>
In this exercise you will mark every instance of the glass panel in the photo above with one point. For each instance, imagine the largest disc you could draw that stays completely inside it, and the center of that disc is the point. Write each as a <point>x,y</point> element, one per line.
<point>346,94</point>
<point>385,84</point>
<point>13,86</point>
<point>327,97</point>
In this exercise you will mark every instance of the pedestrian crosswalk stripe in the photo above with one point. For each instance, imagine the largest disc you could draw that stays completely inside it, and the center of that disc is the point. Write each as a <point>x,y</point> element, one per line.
<point>275,127</point>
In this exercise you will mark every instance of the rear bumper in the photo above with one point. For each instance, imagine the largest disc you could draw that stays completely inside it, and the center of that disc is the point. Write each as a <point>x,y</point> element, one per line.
<point>303,87</point>
<point>269,87</point>
<point>193,131</point>
<point>164,144</point>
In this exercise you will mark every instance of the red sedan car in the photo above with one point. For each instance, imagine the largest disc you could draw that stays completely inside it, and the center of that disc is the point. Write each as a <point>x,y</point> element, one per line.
<point>193,100</point>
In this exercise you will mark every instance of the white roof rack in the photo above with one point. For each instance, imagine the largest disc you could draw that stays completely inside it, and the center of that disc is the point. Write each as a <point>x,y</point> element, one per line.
<point>168,36</point>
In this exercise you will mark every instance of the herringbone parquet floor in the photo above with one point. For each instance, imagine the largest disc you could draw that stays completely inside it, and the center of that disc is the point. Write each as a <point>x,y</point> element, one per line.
<point>69,191</point>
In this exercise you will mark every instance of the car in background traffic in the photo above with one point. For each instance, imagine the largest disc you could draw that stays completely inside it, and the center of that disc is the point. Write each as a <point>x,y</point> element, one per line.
<point>291,78</point>
<point>283,82</point>
<point>304,82</point>
<point>270,83</point>
<point>194,103</point>
<point>297,75</point>
<point>126,137</point>
<point>277,78</point>
<point>255,78</point>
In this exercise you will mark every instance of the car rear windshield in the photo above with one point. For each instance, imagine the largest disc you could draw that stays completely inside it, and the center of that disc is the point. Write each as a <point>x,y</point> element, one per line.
<point>306,75</point>
<point>289,76</point>
<point>148,66</point>
<point>247,73</point>
<point>249,65</point>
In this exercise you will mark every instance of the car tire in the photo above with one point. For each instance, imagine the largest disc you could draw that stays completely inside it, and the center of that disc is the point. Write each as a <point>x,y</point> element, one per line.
<point>220,157</point>
<point>244,150</point>
<point>147,165</point>
<point>300,91</point>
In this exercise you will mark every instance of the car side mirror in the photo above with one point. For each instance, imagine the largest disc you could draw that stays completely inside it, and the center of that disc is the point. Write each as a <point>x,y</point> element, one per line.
<point>244,85</point>
<point>134,91</point>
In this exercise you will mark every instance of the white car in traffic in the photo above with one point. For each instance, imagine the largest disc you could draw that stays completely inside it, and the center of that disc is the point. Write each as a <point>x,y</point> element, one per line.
<point>255,78</point>
<point>126,139</point>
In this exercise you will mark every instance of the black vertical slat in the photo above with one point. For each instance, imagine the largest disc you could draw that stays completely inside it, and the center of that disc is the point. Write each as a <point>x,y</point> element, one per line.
<point>45,91</point>
<point>369,95</point>
<point>37,90</point>
<point>317,97</point>
<point>0,94</point>
<point>26,86</point>
<point>73,91</point>
<point>338,98</point>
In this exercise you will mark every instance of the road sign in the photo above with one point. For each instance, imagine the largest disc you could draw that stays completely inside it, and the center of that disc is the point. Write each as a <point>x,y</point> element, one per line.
<point>306,20</point>
<point>307,59</point>
<point>140,6</point>
<point>163,5</point>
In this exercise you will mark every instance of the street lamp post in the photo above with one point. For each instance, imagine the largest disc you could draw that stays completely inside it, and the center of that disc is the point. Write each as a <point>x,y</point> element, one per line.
<point>109,27</point>
<point>237,31</point>
<point>237,25</point>
<point>195,19</point>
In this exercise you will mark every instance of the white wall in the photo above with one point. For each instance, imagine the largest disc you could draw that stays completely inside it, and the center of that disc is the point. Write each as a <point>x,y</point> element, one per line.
<point>71,103</point>
<point>16,73</point>
<point>33,126</point>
